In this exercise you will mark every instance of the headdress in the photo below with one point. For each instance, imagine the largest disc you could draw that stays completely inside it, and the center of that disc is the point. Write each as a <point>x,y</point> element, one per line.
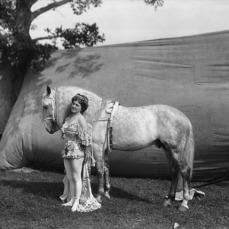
<point>82,99</point>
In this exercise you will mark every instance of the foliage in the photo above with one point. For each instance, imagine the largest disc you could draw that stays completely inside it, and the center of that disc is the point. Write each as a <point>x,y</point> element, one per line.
<point>16,18</point>
<point>156,3</point>
<point>21,50</point>
<point>84,34</point>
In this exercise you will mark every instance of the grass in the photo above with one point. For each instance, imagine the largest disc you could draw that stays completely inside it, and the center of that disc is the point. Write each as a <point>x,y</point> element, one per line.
<point>30,200</point>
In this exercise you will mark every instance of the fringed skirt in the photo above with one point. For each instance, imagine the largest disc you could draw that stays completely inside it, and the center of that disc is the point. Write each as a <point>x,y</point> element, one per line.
<point>72,150</point>
<point>87,201</point>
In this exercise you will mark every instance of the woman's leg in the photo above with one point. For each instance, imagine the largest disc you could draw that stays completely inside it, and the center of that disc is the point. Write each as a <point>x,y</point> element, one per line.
<point>76,168</point>
<point>67,165</point>
<point>66,192</point>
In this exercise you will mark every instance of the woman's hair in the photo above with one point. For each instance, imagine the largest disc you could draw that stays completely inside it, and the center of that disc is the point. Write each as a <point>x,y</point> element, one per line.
<point>83,100</point>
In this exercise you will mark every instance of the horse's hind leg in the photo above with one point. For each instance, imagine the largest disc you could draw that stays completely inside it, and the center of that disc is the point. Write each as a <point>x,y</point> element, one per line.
<point>174,180</point>
<point>185,171</point>
<point>185,166</point>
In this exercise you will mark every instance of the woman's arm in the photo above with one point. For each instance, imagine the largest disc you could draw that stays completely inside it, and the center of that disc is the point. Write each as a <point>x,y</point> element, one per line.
<point>62,129</point>
<point>86,139</point>
<point>83,123</point>
<point>62,132</point>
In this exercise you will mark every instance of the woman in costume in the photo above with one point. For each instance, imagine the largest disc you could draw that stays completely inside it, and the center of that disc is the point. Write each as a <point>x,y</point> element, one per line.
<point>77,134</point>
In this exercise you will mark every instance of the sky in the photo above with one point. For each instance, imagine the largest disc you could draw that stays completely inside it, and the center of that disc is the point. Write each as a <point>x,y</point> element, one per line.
<point>132,20</point>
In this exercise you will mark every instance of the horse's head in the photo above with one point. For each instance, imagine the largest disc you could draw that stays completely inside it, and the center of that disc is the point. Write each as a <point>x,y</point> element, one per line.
<point>49,110</point>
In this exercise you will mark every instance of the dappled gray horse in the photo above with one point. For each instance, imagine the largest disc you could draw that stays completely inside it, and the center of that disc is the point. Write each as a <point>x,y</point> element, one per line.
<point>134,128</point>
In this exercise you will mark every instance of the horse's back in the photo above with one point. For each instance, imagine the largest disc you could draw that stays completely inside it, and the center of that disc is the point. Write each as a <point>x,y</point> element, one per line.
<point>149,112</point>
<point>134,116</point>
<point>138,127</point>
<point>174,126</point>
<point>167,112</point>
<point>134,127</point>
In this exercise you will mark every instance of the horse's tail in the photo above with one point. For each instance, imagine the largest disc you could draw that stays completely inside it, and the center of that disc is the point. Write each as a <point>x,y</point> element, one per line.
<point>189,150</point>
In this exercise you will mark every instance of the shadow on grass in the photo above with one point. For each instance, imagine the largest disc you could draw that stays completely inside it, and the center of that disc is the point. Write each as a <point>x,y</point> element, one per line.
<point>55,189</point>
<point>51,189</point>
<point>119,193</point>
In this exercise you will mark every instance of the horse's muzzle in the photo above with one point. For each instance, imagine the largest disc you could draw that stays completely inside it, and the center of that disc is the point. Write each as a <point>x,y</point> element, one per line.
<point>49,128</point>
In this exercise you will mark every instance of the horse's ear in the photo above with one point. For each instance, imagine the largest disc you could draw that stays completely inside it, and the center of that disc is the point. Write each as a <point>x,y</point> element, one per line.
<point>48,90</point>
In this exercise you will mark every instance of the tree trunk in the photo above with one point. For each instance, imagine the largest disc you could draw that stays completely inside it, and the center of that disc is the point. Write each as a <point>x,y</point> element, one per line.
<point>22,37</point>
<point>6,97</point>
<point>24,44</point>
<point>11,78</point>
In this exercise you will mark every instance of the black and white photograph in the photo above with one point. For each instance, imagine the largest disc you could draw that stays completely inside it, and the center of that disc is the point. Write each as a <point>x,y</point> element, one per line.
<point>114,114</point>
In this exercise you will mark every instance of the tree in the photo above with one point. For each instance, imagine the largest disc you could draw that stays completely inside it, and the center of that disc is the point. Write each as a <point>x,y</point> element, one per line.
<point>20,51</point>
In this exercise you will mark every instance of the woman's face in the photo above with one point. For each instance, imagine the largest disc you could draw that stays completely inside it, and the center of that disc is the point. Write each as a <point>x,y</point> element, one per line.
<point>75,107</point>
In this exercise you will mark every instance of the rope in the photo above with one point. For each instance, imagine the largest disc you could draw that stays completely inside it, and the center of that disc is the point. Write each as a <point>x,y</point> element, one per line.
<point>215,180</point>
<point>55,110</point>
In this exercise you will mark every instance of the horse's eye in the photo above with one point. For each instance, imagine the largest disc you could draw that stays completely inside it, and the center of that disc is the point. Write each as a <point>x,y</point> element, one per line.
<point>45,107</point>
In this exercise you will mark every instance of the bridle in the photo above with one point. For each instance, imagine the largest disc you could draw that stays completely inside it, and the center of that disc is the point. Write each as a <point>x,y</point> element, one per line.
<point>54,116</point>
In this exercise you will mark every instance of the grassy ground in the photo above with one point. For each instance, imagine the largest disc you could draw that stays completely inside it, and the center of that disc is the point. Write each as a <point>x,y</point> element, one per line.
<point>30,200</point>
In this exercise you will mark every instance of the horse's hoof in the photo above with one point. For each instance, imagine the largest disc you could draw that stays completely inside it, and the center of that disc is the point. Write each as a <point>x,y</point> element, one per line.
<point>187,197</point>
<point>99,198</point>
<point>167,203</point>
<point>183,208</point>
<point>107,195</point>
<point>176,225</point>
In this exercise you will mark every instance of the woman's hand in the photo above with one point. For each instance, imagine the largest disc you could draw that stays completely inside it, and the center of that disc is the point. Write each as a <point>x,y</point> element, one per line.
<point>62,133</point>
<point>87,155</point>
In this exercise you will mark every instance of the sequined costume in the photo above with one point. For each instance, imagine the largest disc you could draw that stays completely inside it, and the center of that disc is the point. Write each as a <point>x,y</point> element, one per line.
<point>76,141</point>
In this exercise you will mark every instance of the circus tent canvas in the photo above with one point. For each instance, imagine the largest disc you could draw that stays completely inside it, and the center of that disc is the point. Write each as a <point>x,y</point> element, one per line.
<point>189,73</point>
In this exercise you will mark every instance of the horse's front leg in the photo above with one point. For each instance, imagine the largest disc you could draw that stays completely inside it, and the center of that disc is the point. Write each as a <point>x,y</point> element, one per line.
<point>98,154</point>
<point>107,180</point>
